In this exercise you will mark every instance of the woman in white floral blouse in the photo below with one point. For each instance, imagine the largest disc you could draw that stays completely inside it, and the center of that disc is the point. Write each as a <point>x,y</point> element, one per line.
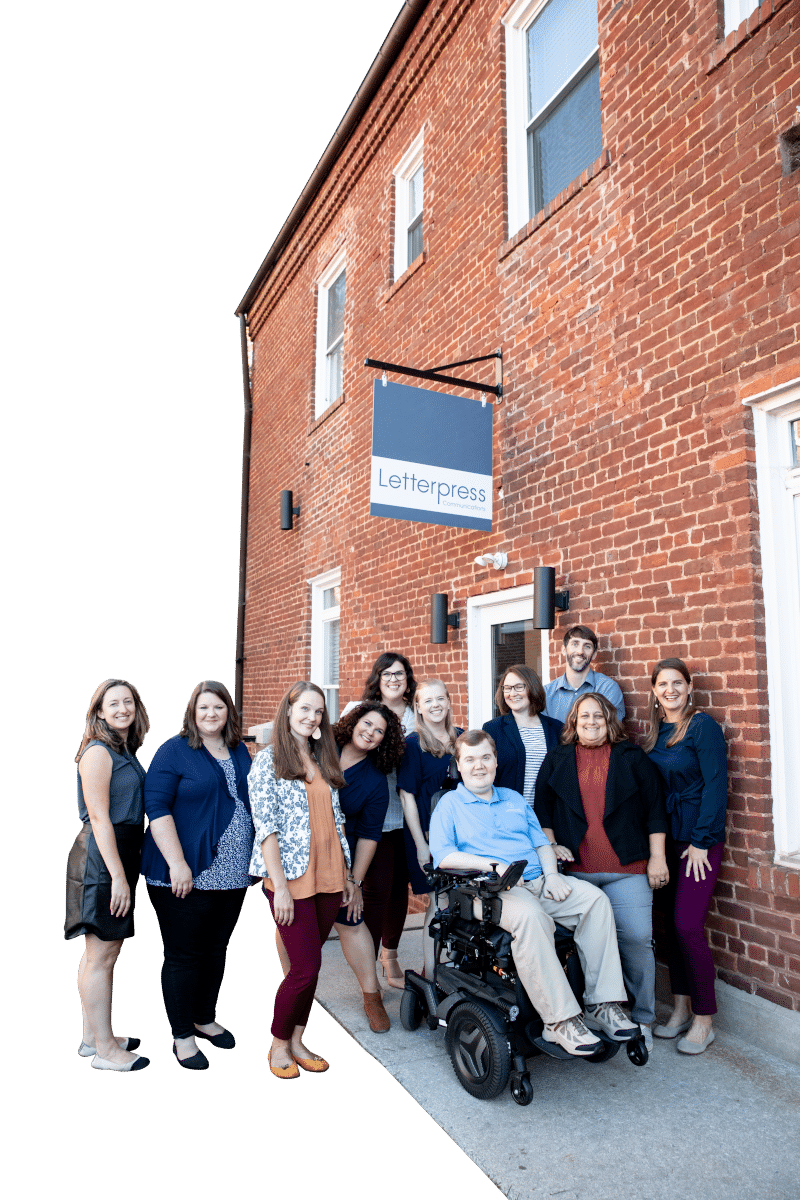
<point>301,853</point>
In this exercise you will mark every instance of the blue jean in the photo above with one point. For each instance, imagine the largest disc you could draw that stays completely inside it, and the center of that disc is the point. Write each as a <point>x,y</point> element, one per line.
<point>631,898</point>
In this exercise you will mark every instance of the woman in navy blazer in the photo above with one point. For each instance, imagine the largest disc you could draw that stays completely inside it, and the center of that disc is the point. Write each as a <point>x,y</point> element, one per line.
<point>523,734</point>
<point>196,860</point>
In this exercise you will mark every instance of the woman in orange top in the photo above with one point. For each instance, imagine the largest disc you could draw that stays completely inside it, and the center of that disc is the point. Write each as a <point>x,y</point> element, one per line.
<point>301,853</point>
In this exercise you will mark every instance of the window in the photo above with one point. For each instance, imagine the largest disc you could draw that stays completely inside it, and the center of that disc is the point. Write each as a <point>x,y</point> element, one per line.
<point>776,418</point>
<point>553,101</point>
<point>500,633</point>
<point>737,11</point>
<point>330,335</point>
<point>409,181</point>
<point>325,598</point>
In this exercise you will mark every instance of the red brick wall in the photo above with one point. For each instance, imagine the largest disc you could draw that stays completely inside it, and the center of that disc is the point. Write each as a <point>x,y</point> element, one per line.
<point>635,315</point>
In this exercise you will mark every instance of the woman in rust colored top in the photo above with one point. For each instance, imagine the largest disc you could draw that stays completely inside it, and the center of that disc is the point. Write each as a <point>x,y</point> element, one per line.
<point>600,802</point>
<point>301,853</point>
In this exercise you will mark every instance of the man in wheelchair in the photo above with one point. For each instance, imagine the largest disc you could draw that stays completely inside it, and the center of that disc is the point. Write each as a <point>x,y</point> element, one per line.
<point>478,825</point>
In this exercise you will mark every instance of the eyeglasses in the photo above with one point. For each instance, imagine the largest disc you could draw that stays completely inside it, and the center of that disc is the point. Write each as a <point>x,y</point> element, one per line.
<point>392,675</point>
<point>514,690</point>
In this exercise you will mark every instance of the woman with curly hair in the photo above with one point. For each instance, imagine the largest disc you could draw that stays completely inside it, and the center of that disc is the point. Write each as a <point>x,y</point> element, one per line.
<point>371,744</point>
<point>391,682</point>
<point>600,802</point>
<point>103,865</point>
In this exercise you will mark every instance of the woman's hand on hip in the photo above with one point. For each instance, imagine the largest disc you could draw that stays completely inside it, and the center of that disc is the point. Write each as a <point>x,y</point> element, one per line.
<point>120,896</point>
<point>697,861</point>
<point>657,873</point>
<point>181,879</point>
<point>283,905</point>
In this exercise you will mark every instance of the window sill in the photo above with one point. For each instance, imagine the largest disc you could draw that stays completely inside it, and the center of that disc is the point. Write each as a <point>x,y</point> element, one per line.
<point>555,205</point>
<point>404,278</point>
<point>737,37</point>
<point>329,411</point>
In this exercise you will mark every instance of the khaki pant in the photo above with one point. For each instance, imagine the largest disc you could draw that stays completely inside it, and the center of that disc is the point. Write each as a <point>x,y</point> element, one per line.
<point>530,920</point>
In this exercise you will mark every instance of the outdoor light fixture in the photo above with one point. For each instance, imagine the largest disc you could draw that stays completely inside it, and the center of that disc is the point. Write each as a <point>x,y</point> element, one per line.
<point>440,619</point>
<point>499,561</point>
<point>287,512</point>
<point>546,599</point>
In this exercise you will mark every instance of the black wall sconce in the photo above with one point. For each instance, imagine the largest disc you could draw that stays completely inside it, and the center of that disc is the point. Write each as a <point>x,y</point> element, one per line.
<point>440,619</point>
<point>546,599</point>
<point>287,512</point>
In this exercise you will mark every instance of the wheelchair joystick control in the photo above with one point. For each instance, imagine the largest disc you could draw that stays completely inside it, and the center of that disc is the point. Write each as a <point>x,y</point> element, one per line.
<point>493,873</point>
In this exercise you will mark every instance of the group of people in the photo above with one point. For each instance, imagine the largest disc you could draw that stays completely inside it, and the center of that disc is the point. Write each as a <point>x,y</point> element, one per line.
<point>336,821</point>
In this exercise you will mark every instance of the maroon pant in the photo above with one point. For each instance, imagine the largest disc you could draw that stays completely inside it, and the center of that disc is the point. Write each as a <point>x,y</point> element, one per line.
<point>691,967</point>
<point>386,891</point>
<point>303,940</point>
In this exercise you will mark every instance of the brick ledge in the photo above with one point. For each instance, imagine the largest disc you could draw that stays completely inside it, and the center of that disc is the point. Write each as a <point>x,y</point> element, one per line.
<point>329,411</point>
<point>737,37</point>
<point>404,278</point>
<point>555,205</point>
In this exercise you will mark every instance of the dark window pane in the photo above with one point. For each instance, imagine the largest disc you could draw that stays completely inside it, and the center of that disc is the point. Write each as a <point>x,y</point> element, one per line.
<point>336,309</point>
<point>415,241</point>
<point>567,142</point>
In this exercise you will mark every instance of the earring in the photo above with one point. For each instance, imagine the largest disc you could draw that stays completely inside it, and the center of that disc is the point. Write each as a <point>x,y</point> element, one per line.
<point>690,700</point>
<point>316,735</point>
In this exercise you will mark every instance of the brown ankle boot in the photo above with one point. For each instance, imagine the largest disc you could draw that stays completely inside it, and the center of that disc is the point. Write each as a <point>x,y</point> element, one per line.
<point>376,1014</point>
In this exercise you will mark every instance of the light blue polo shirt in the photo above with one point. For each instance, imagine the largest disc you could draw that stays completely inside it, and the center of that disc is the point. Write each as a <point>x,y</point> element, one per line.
<point>561,697</point>
<point>504,828</point>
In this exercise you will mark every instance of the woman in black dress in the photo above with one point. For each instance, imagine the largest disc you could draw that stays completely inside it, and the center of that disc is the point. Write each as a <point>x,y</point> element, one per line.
<point>103,865</point>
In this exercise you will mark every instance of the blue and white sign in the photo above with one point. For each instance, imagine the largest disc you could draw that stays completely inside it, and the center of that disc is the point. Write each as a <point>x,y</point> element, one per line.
<point>431,457</point>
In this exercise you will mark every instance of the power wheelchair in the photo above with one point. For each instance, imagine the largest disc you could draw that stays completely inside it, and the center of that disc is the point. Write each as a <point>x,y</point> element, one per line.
<point>491,1025</point>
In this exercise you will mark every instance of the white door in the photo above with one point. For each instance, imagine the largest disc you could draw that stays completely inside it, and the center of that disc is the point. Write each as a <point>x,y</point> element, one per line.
<point>500,633</point>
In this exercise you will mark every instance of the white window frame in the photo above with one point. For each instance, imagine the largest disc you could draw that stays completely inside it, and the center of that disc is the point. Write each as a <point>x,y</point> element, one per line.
<point>517,20</point>
<point>737,11</point>
<point>332,272</point>
<point>778,484</point>
<point>511,604</point>
<point>405,170</point>
<point>320,616</point>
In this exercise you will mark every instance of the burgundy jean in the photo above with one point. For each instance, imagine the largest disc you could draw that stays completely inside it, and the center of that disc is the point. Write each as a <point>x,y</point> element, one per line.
<point>303,941</point>
<point>386,891</point>
<point>686,904</point>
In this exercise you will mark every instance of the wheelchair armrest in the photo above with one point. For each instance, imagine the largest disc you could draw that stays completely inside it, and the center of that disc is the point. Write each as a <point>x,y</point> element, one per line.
<point>509,877</point>
<point>454,873</point>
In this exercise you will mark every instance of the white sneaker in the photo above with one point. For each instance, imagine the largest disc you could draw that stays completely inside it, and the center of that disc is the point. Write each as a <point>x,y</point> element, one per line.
<point>573,1036</point>
<point>610,1018</point>
<point>647,1030</point>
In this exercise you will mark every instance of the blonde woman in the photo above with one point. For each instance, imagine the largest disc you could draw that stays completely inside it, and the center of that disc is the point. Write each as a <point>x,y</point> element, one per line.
<point>422,772</point>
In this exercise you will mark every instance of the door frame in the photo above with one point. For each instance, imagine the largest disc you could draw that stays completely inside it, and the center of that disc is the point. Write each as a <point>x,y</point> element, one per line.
<point>493,608</point>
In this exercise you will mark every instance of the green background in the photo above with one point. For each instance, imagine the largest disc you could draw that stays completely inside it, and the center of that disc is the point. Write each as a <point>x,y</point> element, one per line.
<point>154,153</point>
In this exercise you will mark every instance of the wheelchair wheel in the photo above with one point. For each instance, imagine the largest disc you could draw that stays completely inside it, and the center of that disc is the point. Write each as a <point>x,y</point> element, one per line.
<point>637,1051</point>
<point>522,1091</point>
<point>480,1054</point>
<point>412,1010</point>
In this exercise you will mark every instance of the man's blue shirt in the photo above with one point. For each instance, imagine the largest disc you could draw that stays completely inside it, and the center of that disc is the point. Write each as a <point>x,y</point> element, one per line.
<point>504,828</point>
<point>561,697</point>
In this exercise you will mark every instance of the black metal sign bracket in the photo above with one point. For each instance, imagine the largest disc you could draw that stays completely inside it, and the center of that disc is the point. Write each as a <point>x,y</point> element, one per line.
<point>435,373</point>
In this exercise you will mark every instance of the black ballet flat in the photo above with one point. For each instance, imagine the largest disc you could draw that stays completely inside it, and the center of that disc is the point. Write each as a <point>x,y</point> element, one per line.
<point>223,1041</point>
<point>198,1062</point>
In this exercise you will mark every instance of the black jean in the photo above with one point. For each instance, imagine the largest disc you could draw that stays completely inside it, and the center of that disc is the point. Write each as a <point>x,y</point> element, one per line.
<point>195,932</point>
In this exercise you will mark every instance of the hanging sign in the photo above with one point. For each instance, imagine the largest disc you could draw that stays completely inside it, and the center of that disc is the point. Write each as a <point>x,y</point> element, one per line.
<point>431,457</point>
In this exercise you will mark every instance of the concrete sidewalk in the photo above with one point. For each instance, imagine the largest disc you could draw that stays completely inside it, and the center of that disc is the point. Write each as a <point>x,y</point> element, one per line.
<point>724,1125</point>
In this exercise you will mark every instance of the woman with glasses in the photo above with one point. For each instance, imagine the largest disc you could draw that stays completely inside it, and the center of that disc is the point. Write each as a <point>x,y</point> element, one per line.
<point>391,682</point>
<point>523,733</point>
